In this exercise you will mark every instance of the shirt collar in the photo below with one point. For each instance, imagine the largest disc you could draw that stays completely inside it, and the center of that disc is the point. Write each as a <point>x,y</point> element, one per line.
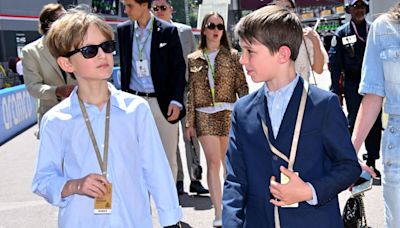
<point>289,88</point>
<point>115,100</point>
<point>137,28</point>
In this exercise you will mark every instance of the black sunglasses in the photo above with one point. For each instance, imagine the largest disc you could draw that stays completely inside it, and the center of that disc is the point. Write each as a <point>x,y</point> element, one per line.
<point>162,8</point>
<point>212,26</point>
<point>91,51</point>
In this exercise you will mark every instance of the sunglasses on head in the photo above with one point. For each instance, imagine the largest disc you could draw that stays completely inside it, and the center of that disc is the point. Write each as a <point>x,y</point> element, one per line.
<point>359,6</point>
<point>162,8</point>
<point>91,51</point>
<point>212,26</point>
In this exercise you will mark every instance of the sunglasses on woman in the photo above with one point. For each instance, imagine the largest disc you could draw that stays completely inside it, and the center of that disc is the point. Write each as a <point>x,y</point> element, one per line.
<point>212,26</point>
<point>91,51</point>
<point>162,8</point>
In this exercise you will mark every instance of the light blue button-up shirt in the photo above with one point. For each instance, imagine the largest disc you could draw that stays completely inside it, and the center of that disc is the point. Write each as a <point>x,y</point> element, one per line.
<point>277,102</point>
<point>380,71</point>
<point>137,164</point>
<point>142,84</point>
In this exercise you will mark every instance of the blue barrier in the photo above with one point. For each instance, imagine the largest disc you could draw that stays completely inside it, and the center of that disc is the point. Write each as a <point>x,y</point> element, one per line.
<point>116,76</point>
<point>17,111</point>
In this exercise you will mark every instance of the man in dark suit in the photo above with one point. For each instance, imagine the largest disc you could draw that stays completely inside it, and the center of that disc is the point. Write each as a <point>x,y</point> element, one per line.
<point>152,66</point>
<point>286,123</point>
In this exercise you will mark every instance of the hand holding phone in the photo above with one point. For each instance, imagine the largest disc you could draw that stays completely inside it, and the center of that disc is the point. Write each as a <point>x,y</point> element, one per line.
<point>364,183</point>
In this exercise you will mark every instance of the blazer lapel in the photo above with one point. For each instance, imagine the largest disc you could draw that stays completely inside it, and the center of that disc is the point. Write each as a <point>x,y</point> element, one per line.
<point>131,30</point>
<point>262,109</point>
<point>290,115</point>
<point>155,42</point>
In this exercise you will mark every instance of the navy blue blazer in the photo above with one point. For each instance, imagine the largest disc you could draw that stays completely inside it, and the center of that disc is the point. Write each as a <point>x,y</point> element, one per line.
<point>167,65</point>
<point>325,158</point>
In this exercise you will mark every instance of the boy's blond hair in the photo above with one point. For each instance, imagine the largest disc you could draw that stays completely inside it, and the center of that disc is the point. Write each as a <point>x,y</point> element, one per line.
<point>68,33</point>
<point>274,27</point>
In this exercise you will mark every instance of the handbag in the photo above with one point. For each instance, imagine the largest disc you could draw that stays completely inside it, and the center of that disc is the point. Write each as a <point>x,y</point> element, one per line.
<point>354,213</point>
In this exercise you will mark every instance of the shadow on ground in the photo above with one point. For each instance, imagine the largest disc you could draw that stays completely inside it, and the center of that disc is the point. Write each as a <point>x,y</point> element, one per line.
<point>185,225</point>
<point>198,202</point>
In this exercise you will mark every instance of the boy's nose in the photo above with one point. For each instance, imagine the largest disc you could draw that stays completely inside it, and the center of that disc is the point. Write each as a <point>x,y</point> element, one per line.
<point>242,59</point>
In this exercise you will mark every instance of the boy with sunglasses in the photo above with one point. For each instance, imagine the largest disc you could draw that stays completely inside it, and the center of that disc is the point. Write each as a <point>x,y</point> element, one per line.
<point>289,152</point>
<point>96,168</point>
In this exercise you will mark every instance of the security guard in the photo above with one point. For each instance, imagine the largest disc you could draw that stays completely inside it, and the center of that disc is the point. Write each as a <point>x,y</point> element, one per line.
<point>346,56</point>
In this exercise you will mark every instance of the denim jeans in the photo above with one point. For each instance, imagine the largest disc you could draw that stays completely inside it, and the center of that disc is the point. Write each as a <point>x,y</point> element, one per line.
<point>391,171</point>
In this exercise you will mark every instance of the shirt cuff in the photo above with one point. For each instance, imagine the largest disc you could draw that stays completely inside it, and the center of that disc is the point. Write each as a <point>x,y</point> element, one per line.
<point>170,217</point>
<point>314,200</point>
<point>180,106</point>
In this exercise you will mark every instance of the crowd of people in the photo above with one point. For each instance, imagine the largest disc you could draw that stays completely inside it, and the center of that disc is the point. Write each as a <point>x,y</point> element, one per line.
<point>286,150</point>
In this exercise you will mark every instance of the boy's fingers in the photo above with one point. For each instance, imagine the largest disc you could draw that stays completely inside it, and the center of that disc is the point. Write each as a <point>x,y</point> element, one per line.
<point>277,203</point>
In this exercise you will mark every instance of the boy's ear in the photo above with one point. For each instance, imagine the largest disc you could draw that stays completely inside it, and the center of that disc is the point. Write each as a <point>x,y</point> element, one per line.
<point>65,64</point>
<point>284,54</point>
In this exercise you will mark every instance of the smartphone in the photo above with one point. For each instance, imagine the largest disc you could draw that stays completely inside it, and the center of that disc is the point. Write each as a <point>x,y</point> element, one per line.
<point>364,183</point>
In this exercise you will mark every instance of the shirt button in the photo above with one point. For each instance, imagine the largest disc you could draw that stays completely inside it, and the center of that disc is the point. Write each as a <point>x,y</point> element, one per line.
<point>389,163</point>
<point>391,129</point>
<point>275,158</point>
<point>390,146</point>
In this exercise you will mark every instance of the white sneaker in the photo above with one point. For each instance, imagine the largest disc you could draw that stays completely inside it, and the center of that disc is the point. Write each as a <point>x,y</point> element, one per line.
<point>217,222</point>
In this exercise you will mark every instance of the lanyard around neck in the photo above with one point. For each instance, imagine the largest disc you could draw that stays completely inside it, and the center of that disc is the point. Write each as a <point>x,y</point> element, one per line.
<point>145,41</point>
<point>102,163</point>
<point>358,35</point>
<point>296,134</point>
<point>210,66</point>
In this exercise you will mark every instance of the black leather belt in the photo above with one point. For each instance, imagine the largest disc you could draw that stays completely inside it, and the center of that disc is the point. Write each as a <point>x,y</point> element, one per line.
<point>142,94</point>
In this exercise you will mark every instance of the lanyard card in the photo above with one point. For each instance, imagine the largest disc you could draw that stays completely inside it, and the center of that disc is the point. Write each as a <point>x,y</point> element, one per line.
<point>285,180</point>
<point>142,68</point>
<point>103,205</point>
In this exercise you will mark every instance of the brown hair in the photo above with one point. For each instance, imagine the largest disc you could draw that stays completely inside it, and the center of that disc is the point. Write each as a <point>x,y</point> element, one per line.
<point>48,15</point>
<point>68,33</point>
<point>274,27</point>
<point>149,2</point>
<point>203,41</point>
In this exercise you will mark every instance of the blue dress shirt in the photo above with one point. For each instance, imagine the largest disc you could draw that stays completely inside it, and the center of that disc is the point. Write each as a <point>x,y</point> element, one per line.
<point>137,164</point>
<point>144,36</point>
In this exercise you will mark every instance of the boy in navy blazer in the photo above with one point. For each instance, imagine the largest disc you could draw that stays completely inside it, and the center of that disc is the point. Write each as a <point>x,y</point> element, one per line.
<point>289,152</point>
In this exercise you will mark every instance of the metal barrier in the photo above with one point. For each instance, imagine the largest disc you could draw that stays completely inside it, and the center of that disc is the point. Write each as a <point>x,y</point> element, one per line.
<point>17,111</point>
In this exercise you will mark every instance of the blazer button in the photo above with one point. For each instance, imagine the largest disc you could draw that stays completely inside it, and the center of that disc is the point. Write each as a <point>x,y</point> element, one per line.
<point>211,104</point>
<point>275,158</point>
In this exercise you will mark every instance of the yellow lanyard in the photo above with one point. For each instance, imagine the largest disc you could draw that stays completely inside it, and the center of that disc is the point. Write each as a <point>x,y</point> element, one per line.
<point>102,163</point>
<point>210,66</point>
<point>145,41</point>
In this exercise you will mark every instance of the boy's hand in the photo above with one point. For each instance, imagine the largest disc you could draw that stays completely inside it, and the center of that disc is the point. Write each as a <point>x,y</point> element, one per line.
<point>190,133</point>
<point>296,190</point>
<point>93,185</point>
<point>173,112</point>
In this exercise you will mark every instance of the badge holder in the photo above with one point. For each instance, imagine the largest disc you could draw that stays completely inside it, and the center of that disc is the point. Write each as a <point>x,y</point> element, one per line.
<point>103,205</point>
